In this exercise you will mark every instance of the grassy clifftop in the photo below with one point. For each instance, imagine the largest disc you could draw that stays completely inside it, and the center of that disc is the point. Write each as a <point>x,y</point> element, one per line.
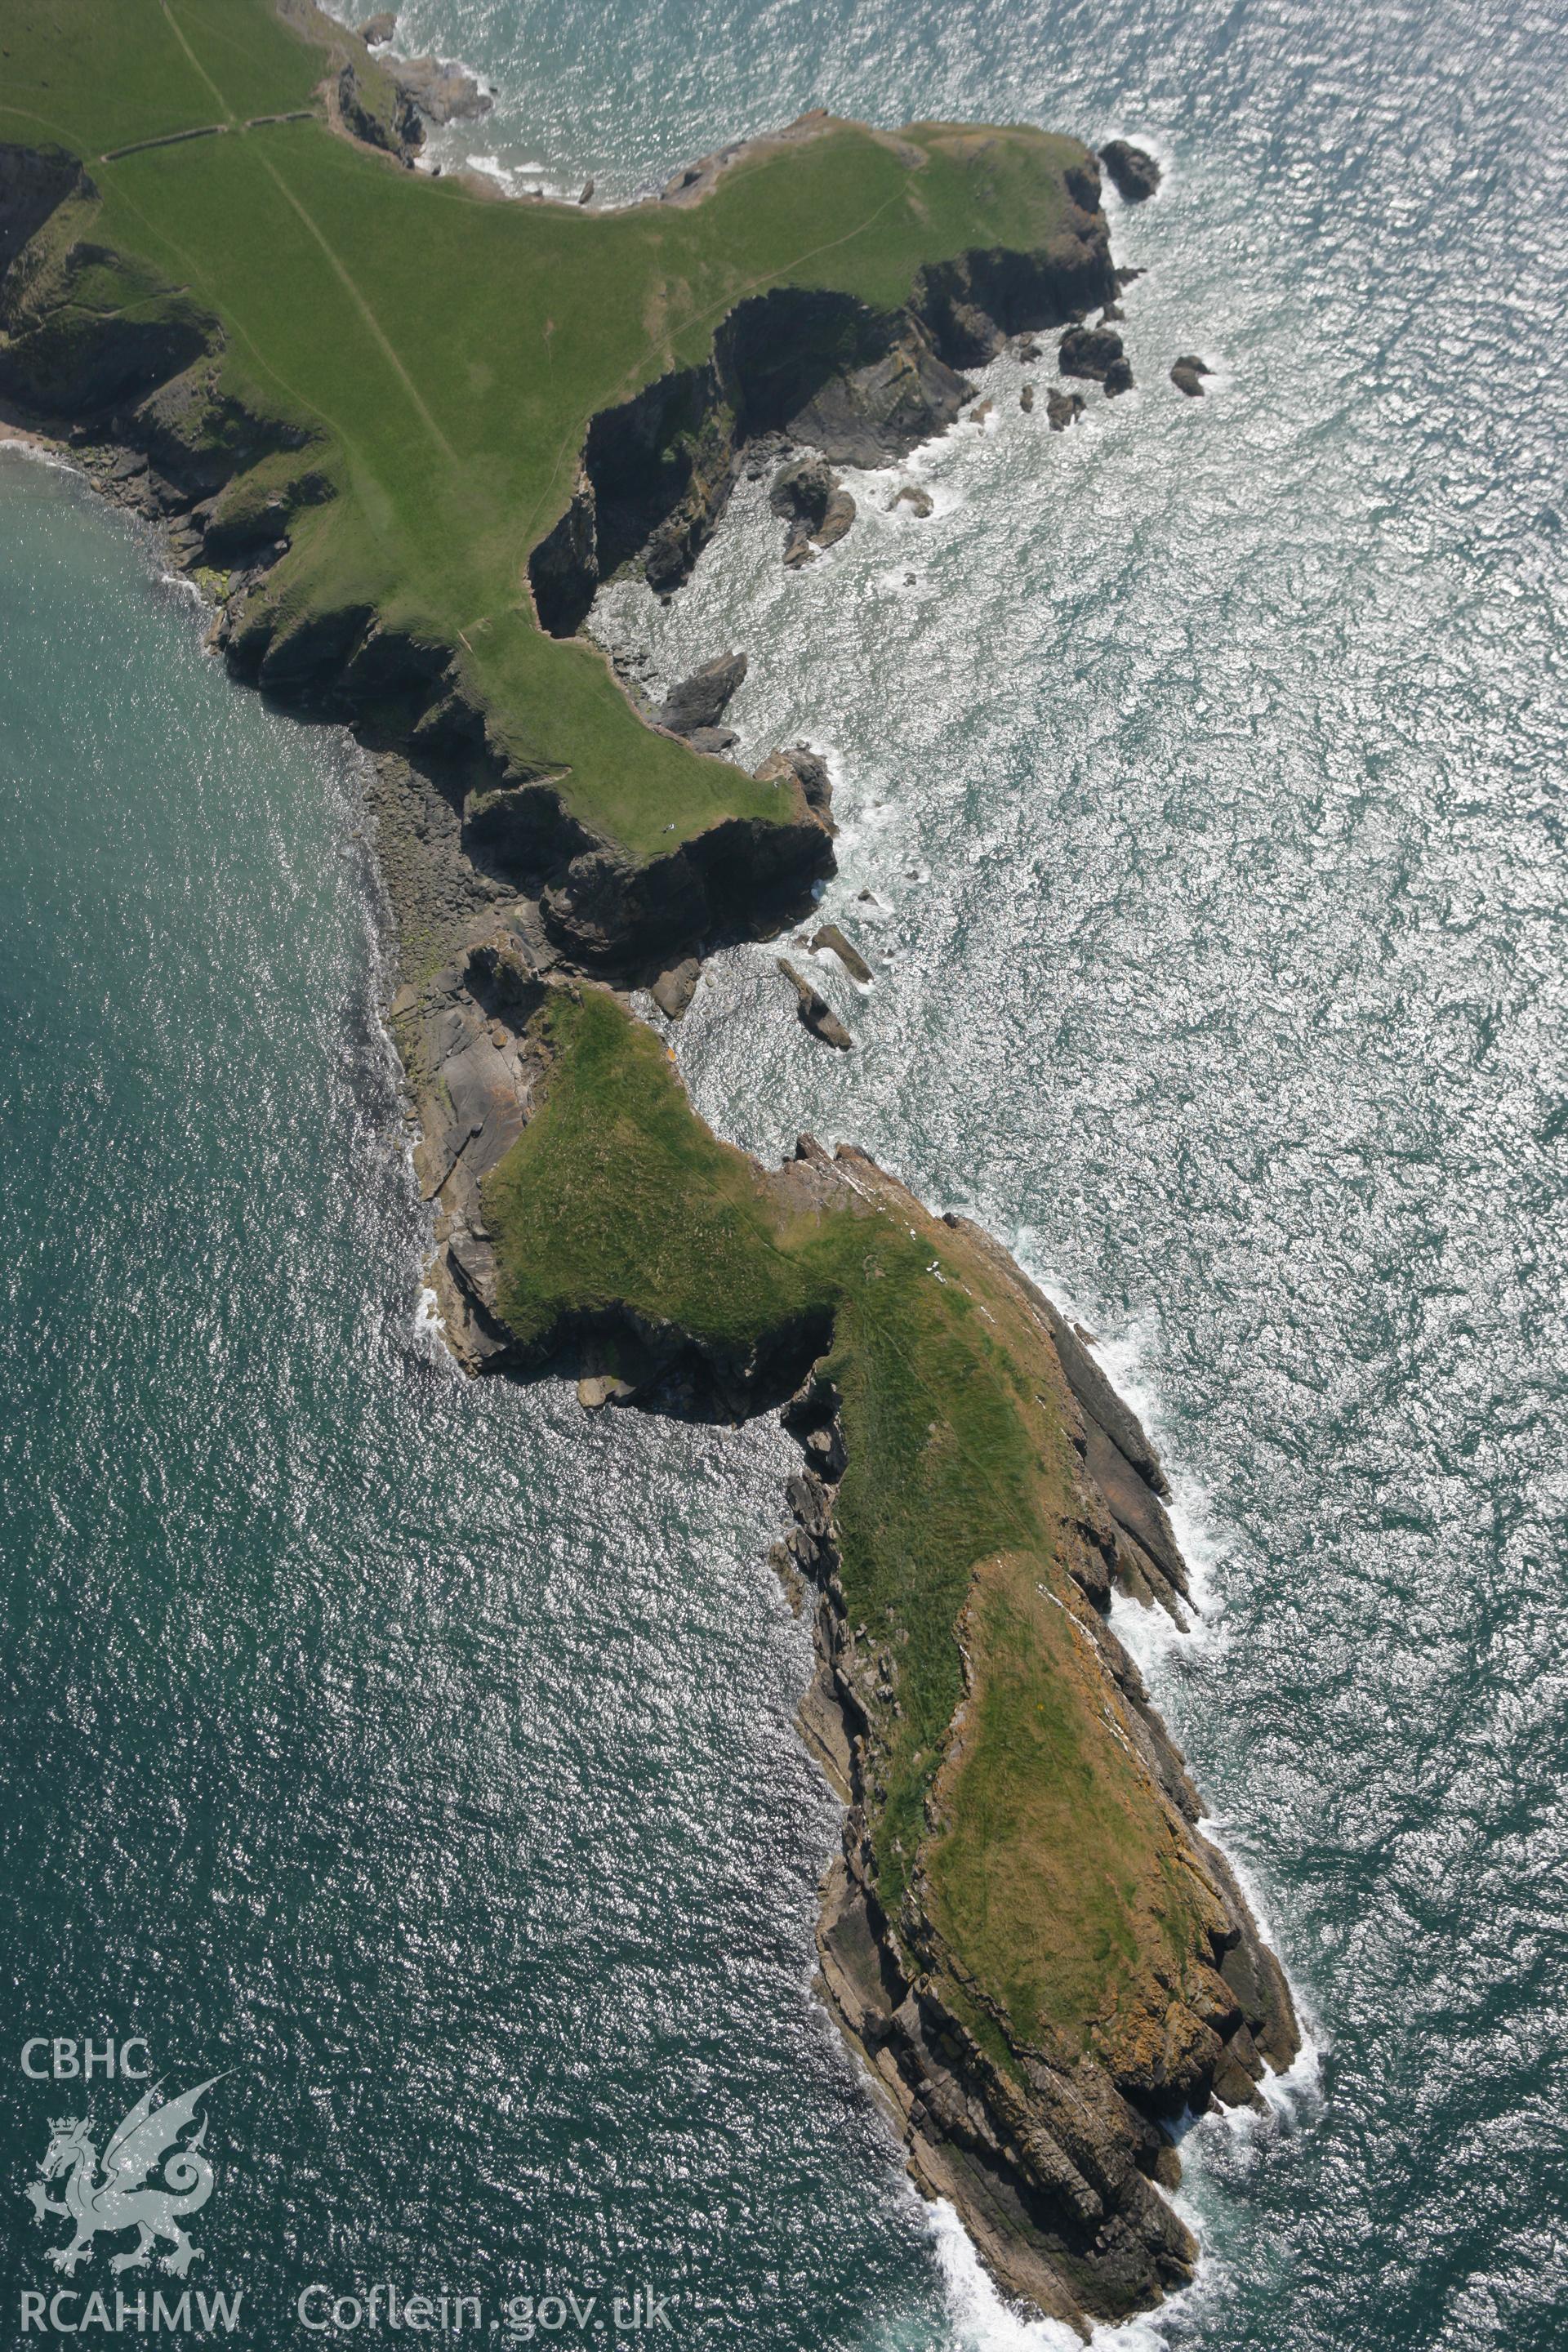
<point>442,355</point>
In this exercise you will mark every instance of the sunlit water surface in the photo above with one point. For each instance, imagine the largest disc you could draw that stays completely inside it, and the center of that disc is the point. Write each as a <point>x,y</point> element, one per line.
<point>424,1751</point>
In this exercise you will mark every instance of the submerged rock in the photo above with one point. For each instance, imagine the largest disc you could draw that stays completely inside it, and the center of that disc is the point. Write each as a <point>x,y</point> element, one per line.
<point>816,1012</point>
<point>1133,172</point>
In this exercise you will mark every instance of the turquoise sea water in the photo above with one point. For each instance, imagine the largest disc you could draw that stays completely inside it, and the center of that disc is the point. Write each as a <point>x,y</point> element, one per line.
<point>423,1752</point>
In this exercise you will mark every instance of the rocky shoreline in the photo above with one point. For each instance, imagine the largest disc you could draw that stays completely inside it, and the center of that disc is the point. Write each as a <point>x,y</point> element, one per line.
<point>501,896</point>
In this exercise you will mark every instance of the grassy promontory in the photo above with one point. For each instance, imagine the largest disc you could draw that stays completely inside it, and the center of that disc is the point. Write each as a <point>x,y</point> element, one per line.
<point>418,366</point>
<point>1039,1956</point>
<point>616,1196</point>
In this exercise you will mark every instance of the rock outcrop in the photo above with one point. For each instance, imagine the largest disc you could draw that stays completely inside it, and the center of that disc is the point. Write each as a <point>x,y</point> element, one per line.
<point>1099,354</point>
<point>443,93</point>
<point>818,371</point>
<point>810,496</point>
<point>1134,173</point>
<point>1187,374</point>
<point>809,771</point>
<point>375,110</point>
<point>829,937</point>
<point>697,703</point>
<point>816,1012</point>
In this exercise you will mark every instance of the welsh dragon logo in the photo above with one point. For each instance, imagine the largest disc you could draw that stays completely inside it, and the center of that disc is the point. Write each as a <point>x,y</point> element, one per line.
<point>121,2196</point>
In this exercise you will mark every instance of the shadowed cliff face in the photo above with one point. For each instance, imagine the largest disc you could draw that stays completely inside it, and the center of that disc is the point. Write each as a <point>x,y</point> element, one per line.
<point>818,371</point>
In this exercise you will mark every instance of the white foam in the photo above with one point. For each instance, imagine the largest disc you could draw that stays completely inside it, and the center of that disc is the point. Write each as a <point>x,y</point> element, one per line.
<point>983,2322</point>
<point>178,580</point>
<point>38,455</point>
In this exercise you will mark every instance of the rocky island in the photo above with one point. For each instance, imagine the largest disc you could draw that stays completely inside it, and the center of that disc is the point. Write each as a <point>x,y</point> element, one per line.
<point>400,432</point>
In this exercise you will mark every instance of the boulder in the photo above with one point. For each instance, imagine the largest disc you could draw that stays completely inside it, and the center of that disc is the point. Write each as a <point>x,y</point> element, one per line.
<point>807,493</point>
<point>376,31</point>
<point>673,991</point>
<point>911,495</point>
<point>1026,398</point>
<point>1091,352</point>
<point>1063,408</point>
<point>1133,172</point>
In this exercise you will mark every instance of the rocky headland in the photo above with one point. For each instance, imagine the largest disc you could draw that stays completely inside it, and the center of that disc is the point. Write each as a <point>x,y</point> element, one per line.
<point>1043,1962</point>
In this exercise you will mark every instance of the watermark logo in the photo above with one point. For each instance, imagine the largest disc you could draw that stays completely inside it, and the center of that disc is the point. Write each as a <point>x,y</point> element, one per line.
<point>123,2193</point>
<point>151,2177</point>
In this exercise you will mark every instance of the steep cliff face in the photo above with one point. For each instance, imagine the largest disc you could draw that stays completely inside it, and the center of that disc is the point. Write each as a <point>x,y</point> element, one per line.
<point>814,369</point>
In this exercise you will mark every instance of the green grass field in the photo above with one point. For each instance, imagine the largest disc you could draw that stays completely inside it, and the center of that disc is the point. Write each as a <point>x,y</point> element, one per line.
<point>449,350</point>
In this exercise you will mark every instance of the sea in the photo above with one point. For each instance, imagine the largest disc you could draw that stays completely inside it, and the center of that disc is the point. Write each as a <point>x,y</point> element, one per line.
<point>412,1760</point>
